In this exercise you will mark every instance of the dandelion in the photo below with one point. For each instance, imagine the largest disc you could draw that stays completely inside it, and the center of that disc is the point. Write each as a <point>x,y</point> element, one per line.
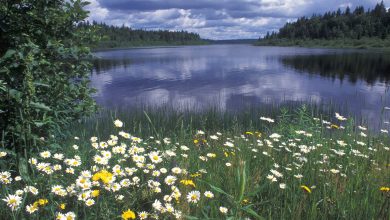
<point>95,193</point>
<point>62,206</point>
<point>193,196</point>
<point>187,182</point>
<point>223,210</point>
<point>385,189</point>
<point>334,126</point>
<point>42,202</point>
<point>103,175</point>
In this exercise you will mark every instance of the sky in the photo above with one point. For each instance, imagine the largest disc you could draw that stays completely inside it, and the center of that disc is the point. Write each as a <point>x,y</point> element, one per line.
<point>214,19</point>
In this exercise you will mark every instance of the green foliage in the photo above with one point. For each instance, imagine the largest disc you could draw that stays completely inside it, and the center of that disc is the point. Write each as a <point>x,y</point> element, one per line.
<point>269,163</point>
<point>114,37</point>
<point>336,25</point>
<point>43,70</point>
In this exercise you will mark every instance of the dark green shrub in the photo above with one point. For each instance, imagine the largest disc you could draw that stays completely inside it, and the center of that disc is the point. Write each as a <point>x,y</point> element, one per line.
<point>44,69</point>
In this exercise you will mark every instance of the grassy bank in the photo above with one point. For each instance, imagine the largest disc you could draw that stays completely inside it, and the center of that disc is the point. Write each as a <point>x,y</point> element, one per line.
<point>363,43</point>
<point>289,163</point>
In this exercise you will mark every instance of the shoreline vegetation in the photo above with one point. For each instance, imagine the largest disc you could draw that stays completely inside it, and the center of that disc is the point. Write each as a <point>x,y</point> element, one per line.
<point>359,29</point>
<point>297,163</point>
<point>342,43</point>
<point>114,37</point>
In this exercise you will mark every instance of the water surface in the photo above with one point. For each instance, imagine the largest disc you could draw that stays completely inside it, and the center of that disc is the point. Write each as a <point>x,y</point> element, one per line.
<point>233,76</point>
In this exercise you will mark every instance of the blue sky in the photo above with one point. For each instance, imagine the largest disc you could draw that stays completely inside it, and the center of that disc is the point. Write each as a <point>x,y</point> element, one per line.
<point>214,19</point>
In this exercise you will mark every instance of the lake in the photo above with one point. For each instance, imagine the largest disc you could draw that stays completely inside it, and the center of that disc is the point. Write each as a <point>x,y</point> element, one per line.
<point>231,77</point>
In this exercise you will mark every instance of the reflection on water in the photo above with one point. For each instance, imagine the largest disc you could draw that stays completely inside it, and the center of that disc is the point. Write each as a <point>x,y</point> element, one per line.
<point>233,76</point>
<point>370,67</point>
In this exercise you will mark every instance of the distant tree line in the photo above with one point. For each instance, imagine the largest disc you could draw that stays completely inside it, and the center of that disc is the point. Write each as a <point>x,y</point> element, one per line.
<point>114,36</point>
<point>338,24</point>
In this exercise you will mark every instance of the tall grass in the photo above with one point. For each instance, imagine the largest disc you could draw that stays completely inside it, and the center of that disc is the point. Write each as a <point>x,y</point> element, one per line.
<point>307,164</point>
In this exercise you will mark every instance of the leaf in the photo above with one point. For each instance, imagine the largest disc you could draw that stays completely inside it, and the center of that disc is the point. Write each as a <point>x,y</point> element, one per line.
<point>39,124</point>
<point>16,94</point>
<point>41,84</point>
<point>191,217</point>
<point>39,105</point>
<point>243,180</point>
<point>23,169</point>
<point>252,212</point>
<point>8,54</point>
<point>218,189</point>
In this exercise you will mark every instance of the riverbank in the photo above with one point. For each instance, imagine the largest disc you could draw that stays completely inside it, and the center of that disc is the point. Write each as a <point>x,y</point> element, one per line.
<point>363,43</point>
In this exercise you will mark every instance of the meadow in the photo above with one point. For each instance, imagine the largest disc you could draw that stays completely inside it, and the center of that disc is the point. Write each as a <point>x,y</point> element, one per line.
<point>288,163</point>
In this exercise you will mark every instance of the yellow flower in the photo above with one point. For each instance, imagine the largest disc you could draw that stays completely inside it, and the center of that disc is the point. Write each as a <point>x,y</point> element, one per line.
<point>245,201</point>
<point>196,141</point>
<point>249,133</point>
<point>128,214</point>
<point>103,175</point>
<point>334,126</point>
<point>42,202</point>
<point>385,189</point>
<point>306,189</point>
<point>226,154</point>
<point>195,175</point>
<point>188,182</point>
<point>62,206</point>
<point>95,193</point>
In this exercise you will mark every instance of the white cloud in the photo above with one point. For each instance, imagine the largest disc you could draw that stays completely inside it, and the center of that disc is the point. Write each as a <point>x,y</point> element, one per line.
<point>214,19</point>
<point>97,13</point>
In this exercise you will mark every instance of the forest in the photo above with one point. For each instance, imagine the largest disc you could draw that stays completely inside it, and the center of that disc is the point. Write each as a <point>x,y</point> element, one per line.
<point>360,26</point>
<point>118,37</point>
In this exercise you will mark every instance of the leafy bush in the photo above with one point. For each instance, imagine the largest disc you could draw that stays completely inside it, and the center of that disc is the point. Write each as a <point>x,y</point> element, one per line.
<point>43,69</point>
